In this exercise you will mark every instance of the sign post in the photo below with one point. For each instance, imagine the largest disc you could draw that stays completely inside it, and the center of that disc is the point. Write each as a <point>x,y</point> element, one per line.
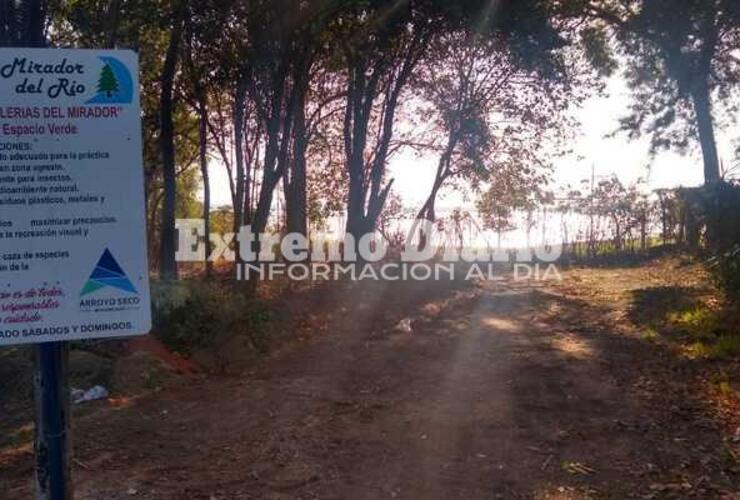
<point>73,263</point>
<point>51,443</point>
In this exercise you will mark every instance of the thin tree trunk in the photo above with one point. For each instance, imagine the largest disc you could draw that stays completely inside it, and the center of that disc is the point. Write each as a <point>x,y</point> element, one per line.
<point>360,92</point>
<point>167,263</point>
<point>295,193</point>
<point>239,121</point>
<point>428,212</point>
<point>249,175</point>
<point>112,15</point>
<point>203,153</point>
<point>443,172</point>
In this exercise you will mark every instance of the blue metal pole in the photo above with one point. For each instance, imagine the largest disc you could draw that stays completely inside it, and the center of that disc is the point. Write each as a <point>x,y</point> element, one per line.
<point>51,388</point>
<point>52,435</point>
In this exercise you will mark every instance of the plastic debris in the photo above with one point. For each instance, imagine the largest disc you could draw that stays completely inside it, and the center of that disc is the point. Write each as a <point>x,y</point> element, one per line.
<point>405,326</point>
<point>92,394</point>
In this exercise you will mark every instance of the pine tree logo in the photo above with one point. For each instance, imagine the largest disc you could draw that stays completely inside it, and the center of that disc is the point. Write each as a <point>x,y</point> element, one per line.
<point>116,83</point>
<point>108,83</point>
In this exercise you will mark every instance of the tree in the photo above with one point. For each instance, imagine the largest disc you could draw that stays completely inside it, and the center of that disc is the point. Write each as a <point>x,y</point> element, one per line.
<point>379,45</point>
<point>281,49</point>
<point>497,213</point>
<point>518,189</point>
<point>201,36</point>
<point>167,263</point>
<point>682,65</point>
<point>489,104</point>
<point>144,27</point>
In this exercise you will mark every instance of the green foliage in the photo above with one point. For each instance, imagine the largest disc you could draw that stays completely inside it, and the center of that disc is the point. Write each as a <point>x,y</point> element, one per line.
<point>726,346</point>
<point>141,26</point>
<point>650,334</point>
<point>191,315</point>
<point>222,220</point>
<point>676,50</point>
<point>521,190</point>
<point>699,322</point>
<point>726,271</point>
<point>706,331</point>
<point>187,184</point>
<point>595,43</point>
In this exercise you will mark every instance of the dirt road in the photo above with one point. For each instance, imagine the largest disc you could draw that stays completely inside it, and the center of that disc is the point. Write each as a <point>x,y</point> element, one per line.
<point>502,391</point>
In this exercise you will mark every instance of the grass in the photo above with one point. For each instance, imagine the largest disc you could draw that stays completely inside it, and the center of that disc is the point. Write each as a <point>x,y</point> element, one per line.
<point>684,318</point>
<point>726,346</point>
<point>706,332</point>
<point>699,322</point>
<point>651,334</point>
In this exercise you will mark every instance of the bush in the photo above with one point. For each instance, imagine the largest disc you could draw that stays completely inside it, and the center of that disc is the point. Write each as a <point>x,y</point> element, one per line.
<point>191,315</point>
<point>726,271</point>
<point>699,322</point>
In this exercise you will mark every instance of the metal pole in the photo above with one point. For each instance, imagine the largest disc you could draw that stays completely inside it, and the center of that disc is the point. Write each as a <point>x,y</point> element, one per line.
<point>52,437</point>
<point>51,387</point>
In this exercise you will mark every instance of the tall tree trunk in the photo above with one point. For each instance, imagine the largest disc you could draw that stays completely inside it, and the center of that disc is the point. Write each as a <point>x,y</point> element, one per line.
<point>279,132</point>
<point>703,108</point>
<point>295,182</point>
<point>112,17</point>
<point>367,195</point>
<point>239,121</point>
<point>203,153</point>
<point>250,172</point>
<point>360,96</point>
<point>167,263</point>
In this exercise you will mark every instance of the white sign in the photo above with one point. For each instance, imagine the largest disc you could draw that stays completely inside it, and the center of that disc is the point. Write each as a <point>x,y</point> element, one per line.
<point>73,261</point>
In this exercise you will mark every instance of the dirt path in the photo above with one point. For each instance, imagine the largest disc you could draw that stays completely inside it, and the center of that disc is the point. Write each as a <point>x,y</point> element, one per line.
<point>504,391</point>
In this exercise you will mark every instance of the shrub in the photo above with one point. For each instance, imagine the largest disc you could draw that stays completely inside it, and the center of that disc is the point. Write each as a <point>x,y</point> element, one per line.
<point>726,271</point>
<point>193,315</point>
<point>699,322</point>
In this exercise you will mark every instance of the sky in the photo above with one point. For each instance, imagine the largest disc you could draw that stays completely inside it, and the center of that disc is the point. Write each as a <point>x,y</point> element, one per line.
<point>617,155</point>
<point>591,148</point>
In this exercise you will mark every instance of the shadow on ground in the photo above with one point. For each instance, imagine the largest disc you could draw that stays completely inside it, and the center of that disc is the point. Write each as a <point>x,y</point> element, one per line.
<point>507,390</point>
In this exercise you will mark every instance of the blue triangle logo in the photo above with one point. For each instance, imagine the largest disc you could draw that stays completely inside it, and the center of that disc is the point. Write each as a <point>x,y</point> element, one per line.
<point>107,273</point>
